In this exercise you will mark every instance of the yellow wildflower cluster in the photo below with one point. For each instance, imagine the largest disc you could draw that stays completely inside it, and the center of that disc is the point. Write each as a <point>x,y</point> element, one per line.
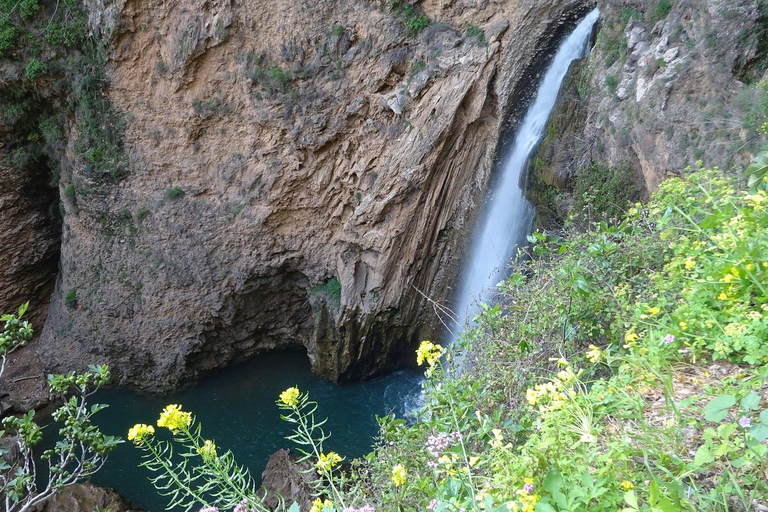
<point>526,500</point>
<point>319,505</point>
<point>756,200</point>
<point>326,462</point>
<point>429,352</point>
<point>140,432</point>
<point>174,419</point>
<point>626,485</point>
<point>208,450</point>
<point>399,475</point>
<point>552,395</point>
<point>290,397</point>
<point>594,354</point>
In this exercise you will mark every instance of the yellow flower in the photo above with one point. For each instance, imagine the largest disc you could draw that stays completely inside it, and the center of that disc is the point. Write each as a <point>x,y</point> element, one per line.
<point>643,351</point>
<point>654,310</point>
<point>429,352</point>
<point>327,461</point>
<point>290,397</point>
<point>683,325</point>
<point>208,450</point>
<point>399,474</point>
<point>631,337</point>
<point>139,433</point>
<point>690,263</point>
<point>593,354</point>
<point>318,505</point>
<point>722,296</point>
<point>626,485</point>
<point>174,419</point>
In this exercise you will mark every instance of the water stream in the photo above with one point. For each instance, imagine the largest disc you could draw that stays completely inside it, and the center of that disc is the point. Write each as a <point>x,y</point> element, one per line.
<point>508,218</point>
<point>237,406</point>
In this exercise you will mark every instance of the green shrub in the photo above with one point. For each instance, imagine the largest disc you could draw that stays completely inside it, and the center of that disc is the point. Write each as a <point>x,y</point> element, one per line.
<point>35,68</point>
<point>70,299</point>
<point>69,190</point>
<point>612,82</point>
<point>338,30</point>
<point>174,193</point>
<point>601,192</point>
<point>142,214</point>
<point>331,290</point>
<point>413,20</point>
<point>473,31</point>
<point>659,11</point>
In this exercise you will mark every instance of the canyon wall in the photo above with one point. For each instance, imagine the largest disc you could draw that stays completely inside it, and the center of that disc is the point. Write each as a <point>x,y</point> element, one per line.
<point>289,174</point>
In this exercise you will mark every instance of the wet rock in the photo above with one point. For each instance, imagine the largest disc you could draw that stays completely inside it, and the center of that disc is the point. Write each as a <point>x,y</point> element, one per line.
<point>85,498</point>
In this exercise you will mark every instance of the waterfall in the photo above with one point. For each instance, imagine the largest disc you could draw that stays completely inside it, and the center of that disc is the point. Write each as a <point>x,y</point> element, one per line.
<point>508,218</point>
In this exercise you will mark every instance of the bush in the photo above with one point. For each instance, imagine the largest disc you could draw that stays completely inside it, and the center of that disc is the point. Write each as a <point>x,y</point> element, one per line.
<point>174,193</point>
<point>473,31</point>
<point>602,192</point>
<point>35,68</point>
<point>70,299</point>
<point>659,11</point>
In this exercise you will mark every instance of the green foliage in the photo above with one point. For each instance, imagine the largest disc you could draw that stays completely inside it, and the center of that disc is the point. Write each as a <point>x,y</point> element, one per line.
<point>414,21</point>
<point>611,82</point>
<point>272,79</point>
<point>69,190</point>
<point>82,448</point>
<point>567,401</point>
<point>70,299</point>
<point>16,333</point>
<point>416,68</point>
<point>600,191</point>
<point>35,68</point>
<point>659,11</point>
<point>338,30</point>
<point>476,33</point>
<point>142,214</point>
<point>331,290</point>
<point>174,193</point>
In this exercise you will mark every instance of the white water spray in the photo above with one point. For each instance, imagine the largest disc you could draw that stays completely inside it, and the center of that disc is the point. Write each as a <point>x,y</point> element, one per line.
<point>508,219</point>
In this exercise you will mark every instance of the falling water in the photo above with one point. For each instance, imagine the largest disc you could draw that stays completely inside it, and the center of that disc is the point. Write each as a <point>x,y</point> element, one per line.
<point>509,218</point>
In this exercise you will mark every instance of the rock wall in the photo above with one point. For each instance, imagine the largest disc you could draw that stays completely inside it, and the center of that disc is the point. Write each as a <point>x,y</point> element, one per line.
<point>292,173</point>
<point>666,84</point>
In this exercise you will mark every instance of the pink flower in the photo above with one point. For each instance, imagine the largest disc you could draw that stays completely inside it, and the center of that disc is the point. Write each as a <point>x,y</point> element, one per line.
<point>745,422</point>
<point>433,504</point>
<point>669,338</point>
<point>209,509</point>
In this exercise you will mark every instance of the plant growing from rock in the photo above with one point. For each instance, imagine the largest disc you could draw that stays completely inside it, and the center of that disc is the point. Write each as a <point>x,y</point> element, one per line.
<point>80,452</point>
<point>16,334</point>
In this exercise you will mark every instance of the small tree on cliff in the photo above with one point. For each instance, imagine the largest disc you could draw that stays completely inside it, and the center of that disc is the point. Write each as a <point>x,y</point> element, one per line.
<point>82,448</point>
<point>16,334</point>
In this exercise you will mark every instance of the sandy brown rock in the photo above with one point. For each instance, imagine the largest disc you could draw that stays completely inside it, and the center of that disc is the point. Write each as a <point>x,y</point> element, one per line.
<point>274,196</point>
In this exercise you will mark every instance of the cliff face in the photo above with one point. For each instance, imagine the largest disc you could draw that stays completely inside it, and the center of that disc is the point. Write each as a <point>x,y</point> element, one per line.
<point>667,84</point>
<point>291,173</point>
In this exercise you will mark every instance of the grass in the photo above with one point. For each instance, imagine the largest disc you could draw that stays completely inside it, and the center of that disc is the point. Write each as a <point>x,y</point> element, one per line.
<point>659,11</point>
<point>476,33</point>
<point>70,299</point>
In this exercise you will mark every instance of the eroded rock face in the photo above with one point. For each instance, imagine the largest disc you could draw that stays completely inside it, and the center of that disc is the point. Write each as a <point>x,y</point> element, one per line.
<point>660,90</point>
<point>299,173</point>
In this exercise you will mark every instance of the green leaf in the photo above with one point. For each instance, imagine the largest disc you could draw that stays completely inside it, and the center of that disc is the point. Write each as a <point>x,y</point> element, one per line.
<point>764,417</point>
<point>703,456</point>
<point>631,499</point>
<point>758,169</point>
<point>294,508</point>
<point>759,431</point>
<point>544,507</point>
<point>717,408</point>
<point>750,402</point>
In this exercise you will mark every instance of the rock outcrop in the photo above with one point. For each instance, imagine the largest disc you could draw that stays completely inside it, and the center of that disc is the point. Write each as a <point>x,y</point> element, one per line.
<point>295,173</point>
<point>666,84</point>
<point>286,481</point>
<point>85,498</point>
